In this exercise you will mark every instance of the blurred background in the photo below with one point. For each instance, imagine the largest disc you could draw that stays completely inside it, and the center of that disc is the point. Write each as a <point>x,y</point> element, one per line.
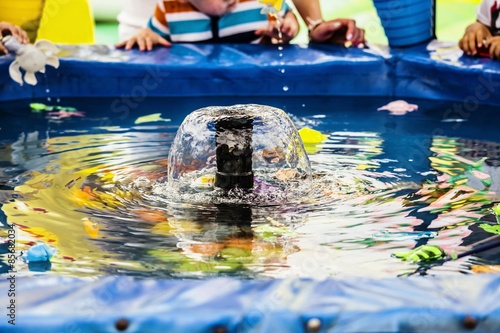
<point>72,21</point>
<point>452,18</point>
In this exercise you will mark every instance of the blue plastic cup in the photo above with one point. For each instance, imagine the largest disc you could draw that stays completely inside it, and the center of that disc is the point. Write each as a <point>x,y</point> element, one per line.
<point>406,22</point>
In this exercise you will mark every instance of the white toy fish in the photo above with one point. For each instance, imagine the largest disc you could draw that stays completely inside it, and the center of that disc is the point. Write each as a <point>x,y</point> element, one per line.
<point>32,58</point>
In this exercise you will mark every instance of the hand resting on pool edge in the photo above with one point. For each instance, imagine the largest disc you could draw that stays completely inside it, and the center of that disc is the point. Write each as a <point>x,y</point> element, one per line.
<point>215,21</point>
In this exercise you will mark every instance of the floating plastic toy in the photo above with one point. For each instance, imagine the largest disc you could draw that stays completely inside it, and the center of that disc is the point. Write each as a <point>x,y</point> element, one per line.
<point>496,210</point>
<point>399,107</point>
<point>32,58</point>
<point>311,136</point>
<point>422,253</point>
<point>40,252</point>
<point>272,6</point>
<point>204,182</point>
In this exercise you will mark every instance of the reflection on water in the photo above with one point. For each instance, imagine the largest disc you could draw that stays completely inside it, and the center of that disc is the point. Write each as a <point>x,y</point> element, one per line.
<point>381,184</point>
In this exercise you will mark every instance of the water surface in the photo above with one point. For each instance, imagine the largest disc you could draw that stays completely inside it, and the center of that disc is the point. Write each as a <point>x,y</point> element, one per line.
<point>91,184</point>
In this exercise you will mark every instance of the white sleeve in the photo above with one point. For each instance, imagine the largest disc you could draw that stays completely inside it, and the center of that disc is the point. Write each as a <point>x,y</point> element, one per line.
<point>483,12</point>
<point>136,13</point>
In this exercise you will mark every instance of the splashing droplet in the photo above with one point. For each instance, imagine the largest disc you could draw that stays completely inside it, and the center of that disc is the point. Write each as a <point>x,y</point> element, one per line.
<point>47,90</point>
<point>280,48</point>
<point>285,88</point>
<point>282,71</point>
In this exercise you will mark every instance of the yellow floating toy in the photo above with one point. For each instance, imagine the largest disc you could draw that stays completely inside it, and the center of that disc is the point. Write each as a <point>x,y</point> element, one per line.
<point>311,137</point>
<point>272,6</point>
<point>204,182</point>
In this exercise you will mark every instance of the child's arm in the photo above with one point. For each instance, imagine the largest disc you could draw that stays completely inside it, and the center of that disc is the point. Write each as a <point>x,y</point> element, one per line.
<point>338,31</point>
<point>16,31</point>
<point>145,39</point>
<point>474,38</point>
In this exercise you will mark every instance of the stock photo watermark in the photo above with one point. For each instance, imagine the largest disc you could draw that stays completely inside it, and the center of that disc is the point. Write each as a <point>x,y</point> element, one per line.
<point>11,276</point>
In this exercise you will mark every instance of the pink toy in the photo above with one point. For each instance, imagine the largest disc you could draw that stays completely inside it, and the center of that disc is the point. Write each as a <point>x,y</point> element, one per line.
<point>399,107</point>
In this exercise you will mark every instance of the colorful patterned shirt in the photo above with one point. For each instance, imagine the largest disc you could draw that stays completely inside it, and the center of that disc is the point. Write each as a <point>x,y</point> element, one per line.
<point>180,22</point>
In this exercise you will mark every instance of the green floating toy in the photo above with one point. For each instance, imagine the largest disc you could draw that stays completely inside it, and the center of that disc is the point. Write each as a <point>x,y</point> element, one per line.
<point>494,229</point>
<point>496,210</point>
<point>422,253</point>
<point>40,107</point>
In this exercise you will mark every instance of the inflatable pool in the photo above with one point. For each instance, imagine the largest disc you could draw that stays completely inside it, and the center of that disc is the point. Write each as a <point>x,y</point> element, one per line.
<point>120,303</point>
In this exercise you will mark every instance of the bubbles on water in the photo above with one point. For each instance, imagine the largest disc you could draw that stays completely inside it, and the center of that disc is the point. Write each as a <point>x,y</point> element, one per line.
<point>282,71</point>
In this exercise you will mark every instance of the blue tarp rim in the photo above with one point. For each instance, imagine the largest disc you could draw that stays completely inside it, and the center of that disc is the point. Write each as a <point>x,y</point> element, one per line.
<point>110,304</point>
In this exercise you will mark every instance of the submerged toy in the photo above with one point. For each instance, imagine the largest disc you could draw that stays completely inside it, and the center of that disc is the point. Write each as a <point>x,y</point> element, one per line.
<point>399,107</point>
<point>31,58</point>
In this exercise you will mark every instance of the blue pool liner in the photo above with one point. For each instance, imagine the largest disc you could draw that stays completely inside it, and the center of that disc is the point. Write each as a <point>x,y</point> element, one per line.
<point>419,304</point>
<point>111,304</point>
<point>251,70</point>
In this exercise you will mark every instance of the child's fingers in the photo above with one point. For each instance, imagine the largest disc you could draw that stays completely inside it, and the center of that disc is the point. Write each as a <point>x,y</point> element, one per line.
<point>149,43</point>
<point>461,44</point>
<point>360,42</point>
<point>3,50</point>
<point>265,32</point>
<point>163,41</point>
<point>130,44</point>
<point>495,50</point>
<point>464,44</point>
<point>356,36</point>
<point>22,36</point>
<point>121,44</point>
<point>472,42</point>
<point>141,42</point>
<point>351,29</point>
<point>480,38</point>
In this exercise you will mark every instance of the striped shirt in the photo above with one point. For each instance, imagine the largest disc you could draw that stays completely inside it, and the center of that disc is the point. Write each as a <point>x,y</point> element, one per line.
<point>180,22</point>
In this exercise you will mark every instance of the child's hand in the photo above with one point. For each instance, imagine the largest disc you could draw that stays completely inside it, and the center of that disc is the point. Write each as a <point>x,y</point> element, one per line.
<point>494,45</point>
<point>16,31</point>
<point>289,29</point>
<point>473,38</point>
<point>338,31</point>
<point>145,39</point>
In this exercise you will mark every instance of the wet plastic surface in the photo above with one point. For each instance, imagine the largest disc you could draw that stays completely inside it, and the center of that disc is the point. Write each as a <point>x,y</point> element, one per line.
<point>55,304</point>
<point>246,70</point>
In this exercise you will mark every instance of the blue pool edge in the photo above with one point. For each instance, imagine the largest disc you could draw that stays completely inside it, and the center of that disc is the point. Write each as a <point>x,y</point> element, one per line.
<point>417,304</point>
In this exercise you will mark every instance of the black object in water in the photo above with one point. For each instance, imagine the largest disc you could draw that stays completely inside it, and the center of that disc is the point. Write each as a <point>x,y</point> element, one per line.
<point>234,151</point>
